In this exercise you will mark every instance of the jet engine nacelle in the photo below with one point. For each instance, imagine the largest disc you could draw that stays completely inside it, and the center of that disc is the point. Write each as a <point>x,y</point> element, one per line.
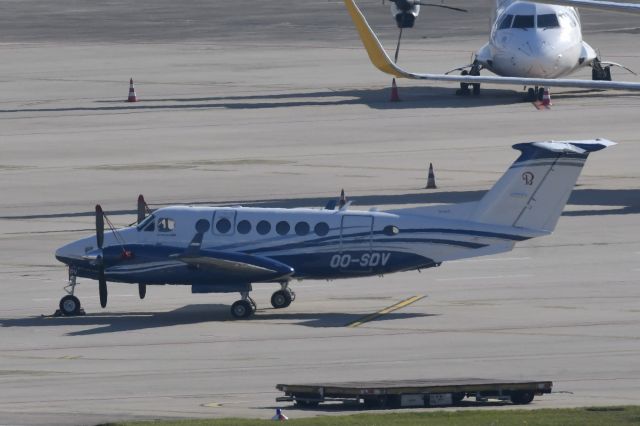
<point>405,12</point>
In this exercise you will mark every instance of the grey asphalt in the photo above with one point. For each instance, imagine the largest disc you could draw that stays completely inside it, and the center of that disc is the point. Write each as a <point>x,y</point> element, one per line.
<point>281,108</point>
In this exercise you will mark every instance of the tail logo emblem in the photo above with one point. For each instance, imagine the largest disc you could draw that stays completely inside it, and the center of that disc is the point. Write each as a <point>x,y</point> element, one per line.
<point>527,177</point>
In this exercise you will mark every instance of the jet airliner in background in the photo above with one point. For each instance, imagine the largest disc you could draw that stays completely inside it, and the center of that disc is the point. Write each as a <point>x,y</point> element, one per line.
<point>227,249</point>
<point>531,44</point>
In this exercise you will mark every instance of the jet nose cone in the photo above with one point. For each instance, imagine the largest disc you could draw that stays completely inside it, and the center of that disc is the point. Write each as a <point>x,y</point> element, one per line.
<point>71,253</point>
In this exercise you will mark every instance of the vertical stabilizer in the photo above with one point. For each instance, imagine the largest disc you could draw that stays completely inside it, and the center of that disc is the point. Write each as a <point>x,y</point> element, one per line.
<point>534,190</point>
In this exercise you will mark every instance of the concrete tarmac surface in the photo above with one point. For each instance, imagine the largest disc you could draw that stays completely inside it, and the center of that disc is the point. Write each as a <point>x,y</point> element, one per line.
<point>280,107</point>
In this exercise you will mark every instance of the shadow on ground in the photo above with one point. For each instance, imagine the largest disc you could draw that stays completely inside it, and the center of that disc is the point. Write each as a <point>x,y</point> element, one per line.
<point>101,323</point>
<point>413,97</point>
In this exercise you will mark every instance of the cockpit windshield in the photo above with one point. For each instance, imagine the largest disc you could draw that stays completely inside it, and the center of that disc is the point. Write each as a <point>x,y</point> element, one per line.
<point>145,222</point>
<point>524,21</point>
<point>548,21</point>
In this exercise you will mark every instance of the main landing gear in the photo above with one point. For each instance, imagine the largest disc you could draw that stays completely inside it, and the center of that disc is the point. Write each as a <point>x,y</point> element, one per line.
<point>246,306</point>
<point>599,72</point>
<point>475,87</point>
<point>534,94</point>
<point>70,304</point>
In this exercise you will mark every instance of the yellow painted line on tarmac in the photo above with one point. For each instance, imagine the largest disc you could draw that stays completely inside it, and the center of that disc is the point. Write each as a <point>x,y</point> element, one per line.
<point>399,305</point>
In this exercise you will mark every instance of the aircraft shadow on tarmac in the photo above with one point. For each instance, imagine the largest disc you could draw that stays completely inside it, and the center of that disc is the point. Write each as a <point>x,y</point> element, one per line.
<point>107,322</point>
<point>614,201</point>
<point>413,97</point>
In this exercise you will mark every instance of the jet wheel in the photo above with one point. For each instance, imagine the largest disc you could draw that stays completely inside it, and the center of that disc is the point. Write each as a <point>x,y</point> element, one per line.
<point>242,309</point>
<point>281,299</point>
<point>70,305</point>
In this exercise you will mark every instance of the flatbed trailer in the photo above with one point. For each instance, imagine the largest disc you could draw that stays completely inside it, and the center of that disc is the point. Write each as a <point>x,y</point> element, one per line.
<point>413,393</point>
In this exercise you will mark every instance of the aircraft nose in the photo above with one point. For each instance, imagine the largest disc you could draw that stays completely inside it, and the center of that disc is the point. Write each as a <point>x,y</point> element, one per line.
<point>71,252</point>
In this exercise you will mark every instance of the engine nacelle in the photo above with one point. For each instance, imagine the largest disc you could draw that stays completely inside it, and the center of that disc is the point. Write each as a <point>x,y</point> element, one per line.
<point>405,13</point>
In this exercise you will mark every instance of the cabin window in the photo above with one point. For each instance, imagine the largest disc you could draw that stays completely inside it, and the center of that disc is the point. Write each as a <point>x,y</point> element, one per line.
<point>321,229</point>
<point>223,225</point>
<point>166,224</point>
<point>524,21</point>
<point>548,21</point>
<point>302,228</point>
<point>244,227</point>
<point>283,228</point>
<point>505,22</point>
<point>391,230</point>
<point>263,227</point>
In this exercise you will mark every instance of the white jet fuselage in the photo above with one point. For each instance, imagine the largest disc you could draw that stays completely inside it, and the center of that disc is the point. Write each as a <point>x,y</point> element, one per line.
<point>533,40</point>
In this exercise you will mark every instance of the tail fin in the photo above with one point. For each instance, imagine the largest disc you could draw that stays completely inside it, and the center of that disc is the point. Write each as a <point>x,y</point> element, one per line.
<point>535,189</point>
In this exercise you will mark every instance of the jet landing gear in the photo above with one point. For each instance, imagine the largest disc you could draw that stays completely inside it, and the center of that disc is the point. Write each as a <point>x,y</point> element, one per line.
<point>283,297</point>
<point>600,73</point>
<point>534,94</point>
<point>70,304</point>
<point>475,87</point>
<point>244,307</point>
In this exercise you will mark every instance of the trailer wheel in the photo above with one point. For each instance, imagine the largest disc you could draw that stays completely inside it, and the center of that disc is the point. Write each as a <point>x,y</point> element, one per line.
<point>522,397</point>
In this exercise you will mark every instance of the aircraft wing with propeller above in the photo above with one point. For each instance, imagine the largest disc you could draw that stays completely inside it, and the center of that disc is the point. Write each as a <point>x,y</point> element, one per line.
<point>531,44</point>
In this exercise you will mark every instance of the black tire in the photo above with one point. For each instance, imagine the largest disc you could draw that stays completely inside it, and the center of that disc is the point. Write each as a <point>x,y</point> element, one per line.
<point>595,75</point>
<point>476,89</point>
<point>531,94</point>
<point>541,94</point>
<point>281,299</point>
<point>241,309</point>
<point>607,74</point>
<point>522,397</point>
<point>70,305</point>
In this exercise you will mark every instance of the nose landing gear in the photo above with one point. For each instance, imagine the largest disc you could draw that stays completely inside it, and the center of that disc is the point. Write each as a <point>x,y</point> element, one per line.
<point>534,94</point>
<point>70,304</point>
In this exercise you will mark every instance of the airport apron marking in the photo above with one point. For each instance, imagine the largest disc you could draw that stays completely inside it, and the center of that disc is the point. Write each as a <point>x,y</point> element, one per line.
<point>399,305</point>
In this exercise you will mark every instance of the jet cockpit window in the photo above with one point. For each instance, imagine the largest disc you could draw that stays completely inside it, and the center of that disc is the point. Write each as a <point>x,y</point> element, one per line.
<point>166,224</point>
<point>524,21</point>
<point>548,21</point>
<point>148,224</point>
<point>505,22</point>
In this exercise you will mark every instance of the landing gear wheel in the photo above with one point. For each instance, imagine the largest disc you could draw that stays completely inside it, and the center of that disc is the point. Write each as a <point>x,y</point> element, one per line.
<point>531,94</point>
<point>464,87</point>
<point>541,94</point>
<point>281,299</point>
<point>476,89</point>
<point>242,309</point>
<point>70,305</point>
<point>522,397</point>
<point>607,74</point>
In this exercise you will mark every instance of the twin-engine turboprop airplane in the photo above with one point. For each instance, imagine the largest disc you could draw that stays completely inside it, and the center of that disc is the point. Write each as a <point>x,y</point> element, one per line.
<point>227,249</point>
<point>532,44</point>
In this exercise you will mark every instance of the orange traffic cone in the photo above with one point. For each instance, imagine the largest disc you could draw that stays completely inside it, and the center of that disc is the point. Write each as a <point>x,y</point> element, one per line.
<point>546,98</point>
<point>431,179</point>
<point>394,92</point>
<point>132,93</point>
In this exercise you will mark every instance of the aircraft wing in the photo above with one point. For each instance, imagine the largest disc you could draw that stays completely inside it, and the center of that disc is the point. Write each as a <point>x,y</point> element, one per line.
<point>238,265</point>
<point>381,60</point>
<point>597,4</point>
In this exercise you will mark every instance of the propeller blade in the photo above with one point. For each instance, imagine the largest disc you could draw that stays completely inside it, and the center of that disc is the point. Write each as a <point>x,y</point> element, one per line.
<point>142,290</point>
<point>102,287</point>
<point>457,9</point>
<point>99,226</point>
<point>142,208</point>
